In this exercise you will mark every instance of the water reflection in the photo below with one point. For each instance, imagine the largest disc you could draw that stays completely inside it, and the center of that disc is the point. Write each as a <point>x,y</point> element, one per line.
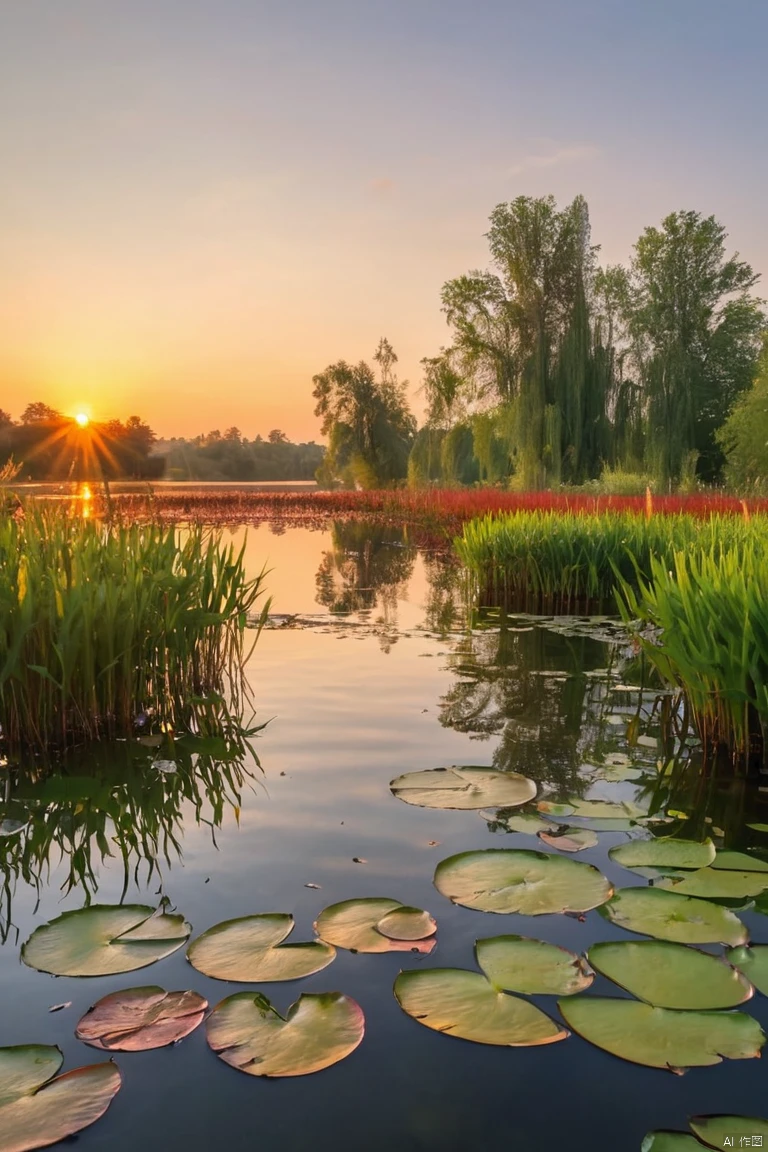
<point>126,802</point>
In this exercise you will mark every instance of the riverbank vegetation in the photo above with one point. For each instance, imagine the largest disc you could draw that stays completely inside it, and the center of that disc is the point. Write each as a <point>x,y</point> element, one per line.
<point>104,623</point>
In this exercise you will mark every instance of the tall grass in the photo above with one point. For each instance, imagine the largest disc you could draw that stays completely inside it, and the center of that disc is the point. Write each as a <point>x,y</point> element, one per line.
<point>551,562</point>
<point>101,622</point>
<point>706,630</point>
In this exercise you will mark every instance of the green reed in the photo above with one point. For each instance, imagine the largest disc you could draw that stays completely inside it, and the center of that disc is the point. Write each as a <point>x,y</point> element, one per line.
<point>550,562</point>
<point>705,628</point>
<point>100,622</point>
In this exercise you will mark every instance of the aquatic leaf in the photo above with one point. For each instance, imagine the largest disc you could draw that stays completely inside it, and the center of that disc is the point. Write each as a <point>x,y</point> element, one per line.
<point>665,852</point>
<point>104,939</point>
<point>714,1130</point>
<point>670,975</point>
<point>406,923</point>
<point>533,967</point>
<point>518,880</point>
<point>758,827</point>
<point>138,1019</point>
<point>713,884</point>
<point>662,1037</point>
<point>593,809</point>
<point>669,916</point>
<point>249,1034</point>
<point>670,1142</point>
<point>740,862</point>
<point>464,787</point>
<point>250,950</point>
<point>36,1110</point>
<point>353,924</point>
<point>569,839</point>
<point>464,1004</point>
<point>753,962</point>
<point>525,822</point>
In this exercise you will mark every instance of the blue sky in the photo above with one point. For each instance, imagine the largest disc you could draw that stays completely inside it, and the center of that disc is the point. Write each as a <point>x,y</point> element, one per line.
<point>204,202</point>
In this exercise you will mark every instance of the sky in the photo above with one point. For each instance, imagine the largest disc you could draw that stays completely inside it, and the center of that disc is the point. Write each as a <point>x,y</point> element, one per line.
<point>203,203</point>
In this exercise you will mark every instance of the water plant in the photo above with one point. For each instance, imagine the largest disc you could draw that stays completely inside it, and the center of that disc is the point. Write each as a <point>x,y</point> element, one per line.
<point>103,624</point>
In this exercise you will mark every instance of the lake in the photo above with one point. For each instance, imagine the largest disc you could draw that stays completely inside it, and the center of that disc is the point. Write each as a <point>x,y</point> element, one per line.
<point>367,669</point>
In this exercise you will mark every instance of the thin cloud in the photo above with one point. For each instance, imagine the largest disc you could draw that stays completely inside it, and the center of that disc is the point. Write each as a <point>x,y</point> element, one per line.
<point>568,155</point>
<point>381,186</point>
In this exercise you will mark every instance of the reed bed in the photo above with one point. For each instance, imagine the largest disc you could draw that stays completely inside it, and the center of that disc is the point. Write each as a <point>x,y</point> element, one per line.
<point>101,623</point>
<point>704,619</point>
<point>553,562</point>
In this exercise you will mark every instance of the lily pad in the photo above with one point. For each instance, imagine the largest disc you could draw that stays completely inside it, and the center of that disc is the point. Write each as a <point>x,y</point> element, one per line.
<point>525,822</point>
<point>593,809</point>
<point>670,975</point>
<point>670,1142</point>
<point>753,962</point>
<point>354,925</point>
<point>249,1034</point>
<point>717,884</point>
<point>714,1130</point>
<point>518,880</point>
<point>105,939</point>
<point>464,1004</point>
<point>405,923</point>
<point>533,967</point>
<point>36,1110</point>
<point>569,839</point>
<point>662,1037</point>
<point>665,852</point>
<point>138,1019</point>
<point>669,916</point>
<point>250,950</point>
<point>464,788</point>
<point>740,862</point>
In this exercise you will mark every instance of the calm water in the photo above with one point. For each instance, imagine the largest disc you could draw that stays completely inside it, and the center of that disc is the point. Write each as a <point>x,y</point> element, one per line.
<point>365,672</point>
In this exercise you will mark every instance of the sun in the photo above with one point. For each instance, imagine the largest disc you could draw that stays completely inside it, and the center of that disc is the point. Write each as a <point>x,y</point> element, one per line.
<point>82,419</point>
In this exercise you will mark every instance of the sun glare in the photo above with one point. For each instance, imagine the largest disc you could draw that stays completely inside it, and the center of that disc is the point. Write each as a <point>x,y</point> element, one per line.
<point>82,419</point>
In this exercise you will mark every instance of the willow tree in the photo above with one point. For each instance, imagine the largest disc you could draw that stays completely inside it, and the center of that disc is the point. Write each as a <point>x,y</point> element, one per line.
<point>521,333</point>
<point>696,340</point>
<point>367,420</point>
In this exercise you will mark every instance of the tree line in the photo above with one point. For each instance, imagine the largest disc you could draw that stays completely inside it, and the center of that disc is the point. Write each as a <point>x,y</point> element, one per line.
<point>560,370</point>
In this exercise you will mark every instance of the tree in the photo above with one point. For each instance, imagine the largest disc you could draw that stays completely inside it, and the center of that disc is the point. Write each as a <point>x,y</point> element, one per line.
<point>277,437</point>
<point>5,419</point>
<point>744,436</point>
<point>367,420</point>
<point>695,330</point>
<point>38,412</point>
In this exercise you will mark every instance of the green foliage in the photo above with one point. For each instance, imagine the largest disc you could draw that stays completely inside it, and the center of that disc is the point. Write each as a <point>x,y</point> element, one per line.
<point>744,436</point>
<point>50,446</point>
<point>101,622</point>
<point>232,457</point>
<point>367,420</point>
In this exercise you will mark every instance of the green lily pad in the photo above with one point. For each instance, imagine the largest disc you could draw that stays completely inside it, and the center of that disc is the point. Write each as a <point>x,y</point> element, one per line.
<point>518,880</point>
<point>533,967</point>
<point>105,939</point>
<point>593,809</point>
<point>249,1034</point>
<point>753,962</point>
<point>354,925</point>
<point>569,839</point>
<point>758,827</point>
<point>714,884</point>
<point>669,916</point>
<point>670,1142</point>
<point>713,1131</point>
<point>464,787</point>
<point>740,862</point>
<point>666,852</point>
<point>405,923</point>
<point>36,1110</point>
<point>670,975</point>
<point>250,950</point>
<point>138,1019</point>
<point>662,1037</point>
<point>525,822</point>
<point>464,1004</point>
